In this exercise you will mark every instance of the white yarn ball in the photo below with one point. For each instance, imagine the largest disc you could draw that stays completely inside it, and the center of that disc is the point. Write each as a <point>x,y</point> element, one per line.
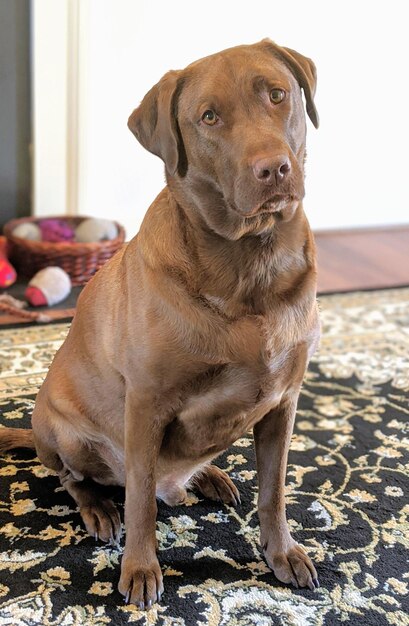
<point>27,230</point>
<point>93,229</point>
<point>54,282</point>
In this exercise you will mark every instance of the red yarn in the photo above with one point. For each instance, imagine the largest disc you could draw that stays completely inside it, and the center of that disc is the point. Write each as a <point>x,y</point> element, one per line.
<point>7,273</point>
<point>35,296</point>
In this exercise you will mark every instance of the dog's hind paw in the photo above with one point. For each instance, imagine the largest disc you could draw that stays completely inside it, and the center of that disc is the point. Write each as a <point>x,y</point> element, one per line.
<point>215,484</point>
<point>102,521</point>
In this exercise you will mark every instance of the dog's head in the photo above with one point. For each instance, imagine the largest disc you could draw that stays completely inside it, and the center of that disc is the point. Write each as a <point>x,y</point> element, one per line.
<point>230,129</point>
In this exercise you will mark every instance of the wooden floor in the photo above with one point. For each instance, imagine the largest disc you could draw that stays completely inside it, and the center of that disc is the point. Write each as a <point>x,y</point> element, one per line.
<point>362,259</point>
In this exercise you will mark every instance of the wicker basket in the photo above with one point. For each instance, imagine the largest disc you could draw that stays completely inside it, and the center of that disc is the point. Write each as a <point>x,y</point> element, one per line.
<point>79,260</point>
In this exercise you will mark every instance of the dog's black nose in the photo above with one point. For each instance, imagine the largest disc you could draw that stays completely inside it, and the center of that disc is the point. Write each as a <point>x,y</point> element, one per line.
<point>270,170</point>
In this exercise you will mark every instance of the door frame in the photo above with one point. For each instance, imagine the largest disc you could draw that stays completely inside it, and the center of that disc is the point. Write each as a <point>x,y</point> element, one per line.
<point>56,54</point>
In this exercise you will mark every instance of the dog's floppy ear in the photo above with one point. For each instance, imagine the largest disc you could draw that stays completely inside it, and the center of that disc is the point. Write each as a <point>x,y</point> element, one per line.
<point>154,122</point>
<point>303,69</point>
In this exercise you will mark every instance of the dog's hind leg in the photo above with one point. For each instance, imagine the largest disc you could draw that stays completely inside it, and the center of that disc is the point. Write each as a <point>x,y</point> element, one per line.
<point>99,513</point>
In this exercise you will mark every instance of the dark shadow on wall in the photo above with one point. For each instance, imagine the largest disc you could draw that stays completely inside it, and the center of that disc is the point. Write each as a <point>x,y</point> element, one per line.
<point>15,110</point>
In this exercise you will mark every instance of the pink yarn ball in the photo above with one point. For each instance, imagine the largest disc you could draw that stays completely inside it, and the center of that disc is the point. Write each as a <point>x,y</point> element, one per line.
<point>56,230</point>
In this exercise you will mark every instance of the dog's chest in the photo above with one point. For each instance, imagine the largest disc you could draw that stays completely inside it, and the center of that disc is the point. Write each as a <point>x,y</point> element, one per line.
<point>231,399</point>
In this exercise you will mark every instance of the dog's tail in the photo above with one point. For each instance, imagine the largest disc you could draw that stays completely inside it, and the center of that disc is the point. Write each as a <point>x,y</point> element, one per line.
<point>11,438</point>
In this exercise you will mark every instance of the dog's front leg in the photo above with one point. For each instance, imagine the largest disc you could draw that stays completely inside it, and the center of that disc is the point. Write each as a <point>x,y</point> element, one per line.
<point>141,577</point>
<point>272,437</point>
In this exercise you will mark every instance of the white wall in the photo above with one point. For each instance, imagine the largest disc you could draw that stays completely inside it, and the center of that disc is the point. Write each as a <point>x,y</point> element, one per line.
<point>357,161</point>
<point>49,99</point>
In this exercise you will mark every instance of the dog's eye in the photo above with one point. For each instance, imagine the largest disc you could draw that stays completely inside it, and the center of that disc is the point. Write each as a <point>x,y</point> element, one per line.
<point>209,117</point>
<point>277,95</point>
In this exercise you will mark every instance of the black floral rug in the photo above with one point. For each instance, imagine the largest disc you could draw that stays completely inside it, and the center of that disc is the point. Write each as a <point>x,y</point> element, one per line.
<point>347,499</point>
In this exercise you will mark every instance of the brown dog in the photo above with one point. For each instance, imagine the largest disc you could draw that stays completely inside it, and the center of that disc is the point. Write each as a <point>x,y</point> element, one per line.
<point>202,326</point>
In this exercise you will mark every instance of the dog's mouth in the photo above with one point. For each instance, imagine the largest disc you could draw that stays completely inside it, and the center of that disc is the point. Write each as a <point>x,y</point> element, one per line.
<point>278,205</point>
<point>274,204</point>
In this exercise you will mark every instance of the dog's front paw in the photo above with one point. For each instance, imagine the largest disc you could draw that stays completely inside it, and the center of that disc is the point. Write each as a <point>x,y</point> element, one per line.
<point>141,584</point>
<point>292,565</point>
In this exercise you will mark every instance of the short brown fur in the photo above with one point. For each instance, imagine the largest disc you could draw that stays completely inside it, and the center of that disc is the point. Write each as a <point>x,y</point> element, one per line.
<point>202,326</point>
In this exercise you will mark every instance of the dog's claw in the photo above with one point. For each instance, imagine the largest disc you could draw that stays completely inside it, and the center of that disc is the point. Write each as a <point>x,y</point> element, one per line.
<point>115,542</point>
<point>96,537</point>
<point>316,582</point>
<point>159,596</point>
<point>128,593</point>
<point>149,605</point>
<point>142,605</point>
